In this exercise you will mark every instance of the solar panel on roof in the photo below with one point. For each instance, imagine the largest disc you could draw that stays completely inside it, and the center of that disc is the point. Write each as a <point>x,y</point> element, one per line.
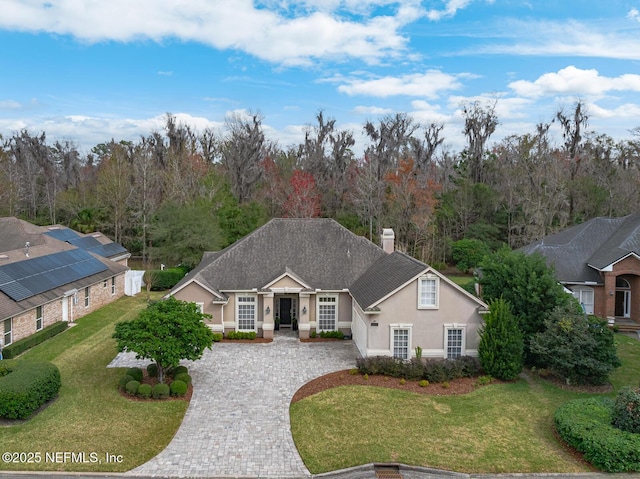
<point>63,234</point>
<point>27,278</point>
<point>85,243</point>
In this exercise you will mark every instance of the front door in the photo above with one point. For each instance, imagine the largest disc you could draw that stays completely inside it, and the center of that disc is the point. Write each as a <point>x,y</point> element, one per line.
<point>623,303</point>
<point>285,311</point>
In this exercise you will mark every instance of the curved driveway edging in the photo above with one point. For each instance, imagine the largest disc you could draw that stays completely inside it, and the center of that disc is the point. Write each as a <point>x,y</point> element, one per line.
<point>237,424</point>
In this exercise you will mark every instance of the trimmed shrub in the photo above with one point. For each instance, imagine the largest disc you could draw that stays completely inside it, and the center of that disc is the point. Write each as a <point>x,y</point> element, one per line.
<point>152,370</point>
<point>135,373</point>
<point>178,388</point>
<point>241,335</point>
<point>124,380</point>
<point>424,383</point>
<point>184,377</point>
<point>144,391</point>
<point>132,386</point>
<point>626,410</point>
<point>179,370</point>
<point>313,334</point>
<point>585,424</point>
<point>433,370</point>
<point>168,278</point>
<point>19,347</point>
<point>332,334</point>
<point>217,337</point>
<point>160,391</point>
<point>26,386</point>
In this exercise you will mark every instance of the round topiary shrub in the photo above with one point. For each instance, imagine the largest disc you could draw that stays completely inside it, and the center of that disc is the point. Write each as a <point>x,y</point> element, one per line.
<point>152,370</point>
<point>124,380</point>
<point>626,410</point>
<point>160,391</point>
<point>178,370</point>
<point>25,386</point>
<point>144,391</point>
<point>184,377</point>
<point>132,386</point>
<point>135,373</point>
<point>178,388</point>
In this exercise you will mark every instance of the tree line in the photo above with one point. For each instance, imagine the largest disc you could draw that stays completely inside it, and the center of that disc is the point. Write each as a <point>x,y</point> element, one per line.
<point>174,193</point>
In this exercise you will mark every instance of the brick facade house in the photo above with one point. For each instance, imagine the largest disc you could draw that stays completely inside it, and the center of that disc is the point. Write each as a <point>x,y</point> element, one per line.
<point>51,274</point>
<point>599,262</point>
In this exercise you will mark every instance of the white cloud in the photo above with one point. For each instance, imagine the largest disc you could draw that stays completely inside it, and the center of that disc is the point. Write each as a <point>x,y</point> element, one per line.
<point>10,105</point>
<point>627,110</point>
<point>450,9</point>
<point>372,110</point>
<point>634,14</point>
<point>571,38</point>
<point>422,85</point>
<point>575,81</point>
<point>233,24</point>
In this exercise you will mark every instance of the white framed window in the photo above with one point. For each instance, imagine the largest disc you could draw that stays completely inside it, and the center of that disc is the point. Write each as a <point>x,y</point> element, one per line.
<point>104,284</point>
<point>401,341</point>
<point>200,307</point>
<point>39,318</point>
<point>453,342</point>
<point>584,294</point>
<point>113,285</point>
<point>7,332</point>
<point>75,298</point>
<point>327,312</point>
<point>86,297</point>
<point>428,289</point>
<point>246,307</point>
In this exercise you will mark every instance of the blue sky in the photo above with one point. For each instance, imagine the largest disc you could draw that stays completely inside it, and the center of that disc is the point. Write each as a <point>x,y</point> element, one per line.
<point>92,70</point>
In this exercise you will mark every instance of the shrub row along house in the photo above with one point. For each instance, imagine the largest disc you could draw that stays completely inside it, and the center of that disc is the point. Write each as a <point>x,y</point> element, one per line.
<point>599,262</point>
<point>52,274</point>
<point>318,276</point>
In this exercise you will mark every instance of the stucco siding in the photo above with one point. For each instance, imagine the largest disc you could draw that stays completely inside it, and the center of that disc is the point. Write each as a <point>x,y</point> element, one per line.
<point>286,282</point>
<point>427,325</point>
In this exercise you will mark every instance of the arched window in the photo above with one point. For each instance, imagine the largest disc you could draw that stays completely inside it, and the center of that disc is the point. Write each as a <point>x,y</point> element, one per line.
<point>622,283</point>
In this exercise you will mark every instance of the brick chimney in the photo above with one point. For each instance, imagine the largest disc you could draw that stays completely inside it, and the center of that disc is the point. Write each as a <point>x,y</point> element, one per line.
<point>387,239</point>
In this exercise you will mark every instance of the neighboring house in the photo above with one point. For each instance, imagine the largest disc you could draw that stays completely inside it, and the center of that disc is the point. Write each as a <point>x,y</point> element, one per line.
<point>51,274</point>
<point>599,262</point>
<point>318,275</point>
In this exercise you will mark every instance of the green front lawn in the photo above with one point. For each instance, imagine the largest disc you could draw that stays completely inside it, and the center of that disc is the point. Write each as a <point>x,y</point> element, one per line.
<point>495,429</point>
<point>89,415</point>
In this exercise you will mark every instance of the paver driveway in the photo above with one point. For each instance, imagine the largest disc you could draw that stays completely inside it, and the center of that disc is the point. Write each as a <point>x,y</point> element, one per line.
<point>238,421</point>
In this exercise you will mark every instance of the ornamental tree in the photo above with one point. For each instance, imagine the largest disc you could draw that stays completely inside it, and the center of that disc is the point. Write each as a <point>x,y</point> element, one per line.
<point>501,346</point>
<point>529,284</point>
<point>577,347</point>
<point>166,332</point>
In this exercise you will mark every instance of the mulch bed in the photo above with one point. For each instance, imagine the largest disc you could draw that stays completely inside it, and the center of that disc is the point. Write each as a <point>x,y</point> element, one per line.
<point>146,379</point>
<point>320,340</point>
<point>345,378</point>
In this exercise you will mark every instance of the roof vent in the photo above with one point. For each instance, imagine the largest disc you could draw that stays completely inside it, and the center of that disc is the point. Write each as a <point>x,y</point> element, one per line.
<point>96,235</point>
<point>3,256</point>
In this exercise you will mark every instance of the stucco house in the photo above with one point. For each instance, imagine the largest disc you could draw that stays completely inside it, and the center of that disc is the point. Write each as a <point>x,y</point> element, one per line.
<point>317,275</point>
<point>51,273</point>
<point>599,262</point>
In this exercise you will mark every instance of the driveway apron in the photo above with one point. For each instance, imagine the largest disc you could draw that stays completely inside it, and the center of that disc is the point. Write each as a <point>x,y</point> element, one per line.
<point>237,424</point>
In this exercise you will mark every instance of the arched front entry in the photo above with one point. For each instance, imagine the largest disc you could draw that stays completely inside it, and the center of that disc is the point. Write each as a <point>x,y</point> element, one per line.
<point>623,298</point>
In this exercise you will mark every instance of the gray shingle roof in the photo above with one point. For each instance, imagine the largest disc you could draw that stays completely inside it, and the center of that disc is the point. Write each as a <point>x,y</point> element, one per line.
<point>597,243</point>
<point>385,276</point>
<point>320,251</point>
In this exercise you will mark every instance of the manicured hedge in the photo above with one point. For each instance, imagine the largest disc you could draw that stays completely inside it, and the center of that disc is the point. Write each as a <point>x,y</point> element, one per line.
<point>241,335</point>
<point>168,278</point>
<point>585,424</point>
<point>26,387</point>
<point>21,346</point>
<point>433,370</point>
